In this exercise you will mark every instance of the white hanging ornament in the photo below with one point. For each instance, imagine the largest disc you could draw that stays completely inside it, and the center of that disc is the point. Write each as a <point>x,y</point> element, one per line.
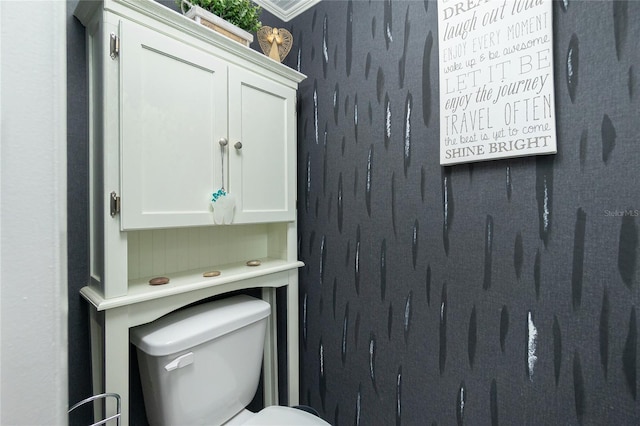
<point>223,207</point>
<point>222,202</point>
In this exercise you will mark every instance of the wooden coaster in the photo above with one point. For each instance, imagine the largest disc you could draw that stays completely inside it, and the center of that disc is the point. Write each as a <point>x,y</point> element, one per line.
<point>211,274</point>
<point>253,263</point>
<point>158,280</point>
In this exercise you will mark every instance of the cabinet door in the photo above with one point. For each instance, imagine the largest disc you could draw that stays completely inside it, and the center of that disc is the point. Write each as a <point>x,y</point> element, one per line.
<point>262,173</point>
<point>173,113</point>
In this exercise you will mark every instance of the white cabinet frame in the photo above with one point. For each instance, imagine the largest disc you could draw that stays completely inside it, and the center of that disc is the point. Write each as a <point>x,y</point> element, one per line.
<point>121,299</point>
<point>111,320</point>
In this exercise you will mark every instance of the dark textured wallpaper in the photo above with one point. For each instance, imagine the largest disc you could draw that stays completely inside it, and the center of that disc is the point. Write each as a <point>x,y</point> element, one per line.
<point>501,292</point>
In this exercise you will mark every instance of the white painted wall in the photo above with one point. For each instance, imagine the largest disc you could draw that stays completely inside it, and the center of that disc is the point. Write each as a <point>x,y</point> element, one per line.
<point>33,255</point>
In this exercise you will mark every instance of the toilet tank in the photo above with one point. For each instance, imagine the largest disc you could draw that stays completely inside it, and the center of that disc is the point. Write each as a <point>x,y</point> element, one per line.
<point>201,365</point>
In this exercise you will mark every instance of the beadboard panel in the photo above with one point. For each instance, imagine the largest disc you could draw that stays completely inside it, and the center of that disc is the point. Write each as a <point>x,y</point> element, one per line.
<point>162,251</point>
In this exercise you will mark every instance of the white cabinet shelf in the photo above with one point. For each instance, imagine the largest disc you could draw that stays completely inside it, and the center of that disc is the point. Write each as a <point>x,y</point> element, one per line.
<point>159,104</point>
<point>233,276</point>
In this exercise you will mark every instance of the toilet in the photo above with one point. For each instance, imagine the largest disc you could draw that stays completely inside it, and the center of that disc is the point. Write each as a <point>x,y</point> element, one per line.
<point>201,366</point>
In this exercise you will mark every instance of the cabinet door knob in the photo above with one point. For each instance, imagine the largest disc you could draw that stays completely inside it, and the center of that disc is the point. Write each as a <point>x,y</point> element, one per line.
<point>237,145</point>
<point>223,142</point>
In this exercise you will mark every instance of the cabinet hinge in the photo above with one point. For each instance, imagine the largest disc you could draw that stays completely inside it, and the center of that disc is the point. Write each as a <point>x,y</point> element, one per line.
<point>114,45</point>
<point>115,204</point>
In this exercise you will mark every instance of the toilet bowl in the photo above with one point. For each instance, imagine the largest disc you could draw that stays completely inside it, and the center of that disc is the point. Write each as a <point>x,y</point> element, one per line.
<point>279,416</point>
<point>201,366</point>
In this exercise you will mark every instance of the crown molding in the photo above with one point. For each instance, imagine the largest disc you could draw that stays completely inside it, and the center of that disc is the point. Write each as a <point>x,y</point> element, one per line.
<point>286,9</point>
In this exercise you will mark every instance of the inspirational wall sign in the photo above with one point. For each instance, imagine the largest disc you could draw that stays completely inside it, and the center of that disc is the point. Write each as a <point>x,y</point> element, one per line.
<point>496,79</point>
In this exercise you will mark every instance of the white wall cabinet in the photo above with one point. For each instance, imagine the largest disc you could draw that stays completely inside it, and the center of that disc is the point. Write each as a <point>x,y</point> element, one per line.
<point>163,92</point>
<point>178,103</point>
<point>262,171</point>
<point>174,111</point>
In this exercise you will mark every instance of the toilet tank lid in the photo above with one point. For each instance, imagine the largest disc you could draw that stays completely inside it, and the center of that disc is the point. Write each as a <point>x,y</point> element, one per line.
<point>192,326</point>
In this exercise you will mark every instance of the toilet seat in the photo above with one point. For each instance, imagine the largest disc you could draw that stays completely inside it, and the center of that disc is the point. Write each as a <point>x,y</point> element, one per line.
<point>284,416</point>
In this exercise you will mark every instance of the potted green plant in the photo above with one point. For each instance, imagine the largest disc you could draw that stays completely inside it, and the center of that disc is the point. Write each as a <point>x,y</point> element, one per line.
<point>234,18</point>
